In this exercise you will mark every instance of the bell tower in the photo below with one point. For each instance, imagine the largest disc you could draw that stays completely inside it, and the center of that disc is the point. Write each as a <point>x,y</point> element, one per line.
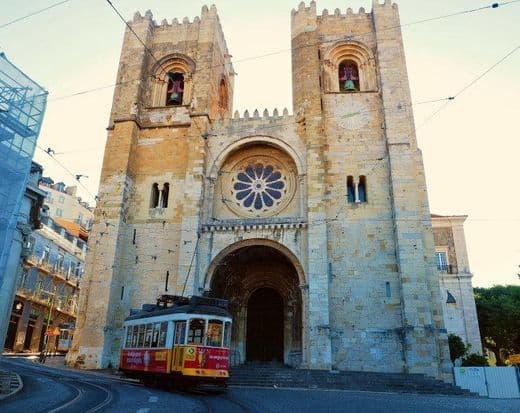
<point>174,79</point>
<point>366,190</point>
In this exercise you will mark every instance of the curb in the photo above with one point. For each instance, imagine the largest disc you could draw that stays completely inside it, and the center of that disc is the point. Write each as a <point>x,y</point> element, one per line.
<point>14,382</point>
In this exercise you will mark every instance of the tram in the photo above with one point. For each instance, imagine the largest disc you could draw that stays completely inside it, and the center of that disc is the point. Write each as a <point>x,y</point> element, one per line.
<point>64,342</point>
<point>178,341</point>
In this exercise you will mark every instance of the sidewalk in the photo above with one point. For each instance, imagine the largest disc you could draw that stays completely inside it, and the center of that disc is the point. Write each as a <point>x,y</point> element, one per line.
<point>10,383</point>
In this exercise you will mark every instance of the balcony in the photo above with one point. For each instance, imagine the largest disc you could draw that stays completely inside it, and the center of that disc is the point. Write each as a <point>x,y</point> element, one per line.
<point>447,269</point>
<point>58,272</point>
<point>62,304</point>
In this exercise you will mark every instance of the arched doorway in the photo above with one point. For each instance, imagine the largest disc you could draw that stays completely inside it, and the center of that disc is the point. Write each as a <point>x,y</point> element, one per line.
<point>263,289</point>
<point>265,326</point>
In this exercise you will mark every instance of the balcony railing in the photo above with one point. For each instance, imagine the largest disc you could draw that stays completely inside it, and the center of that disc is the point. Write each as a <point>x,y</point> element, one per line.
<point>447,269</point>
<point>58,271</point>
<point>61,303</point>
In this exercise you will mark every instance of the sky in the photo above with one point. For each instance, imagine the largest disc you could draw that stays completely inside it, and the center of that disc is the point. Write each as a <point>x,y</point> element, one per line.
<point>470,148</point>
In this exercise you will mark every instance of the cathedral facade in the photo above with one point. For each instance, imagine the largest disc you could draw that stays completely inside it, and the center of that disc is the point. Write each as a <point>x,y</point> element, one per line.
<point>314,225</point>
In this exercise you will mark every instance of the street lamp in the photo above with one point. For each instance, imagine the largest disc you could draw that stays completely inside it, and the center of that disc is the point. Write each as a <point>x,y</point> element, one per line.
<point>43,353</point>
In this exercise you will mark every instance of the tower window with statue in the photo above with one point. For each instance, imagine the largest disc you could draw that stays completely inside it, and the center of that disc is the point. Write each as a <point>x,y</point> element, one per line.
<point>348,76</point>
<point>175,89</point>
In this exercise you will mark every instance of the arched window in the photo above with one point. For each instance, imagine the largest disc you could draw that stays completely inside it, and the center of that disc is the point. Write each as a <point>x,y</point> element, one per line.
<point>175,90</point>
<point>154,199</point>
<point>164,197</point>
<point>362,189</point>
<point>350,189</point>
<point>348,76</point>
<point>222,95</point>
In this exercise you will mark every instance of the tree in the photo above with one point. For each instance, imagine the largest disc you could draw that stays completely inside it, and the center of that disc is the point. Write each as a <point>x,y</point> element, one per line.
<point>498,310</point>
<point>457,347</point>
<point>475,360</point>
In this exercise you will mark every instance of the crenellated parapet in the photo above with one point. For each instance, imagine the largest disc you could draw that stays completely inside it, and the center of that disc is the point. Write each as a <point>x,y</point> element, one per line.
<point>248,118</point>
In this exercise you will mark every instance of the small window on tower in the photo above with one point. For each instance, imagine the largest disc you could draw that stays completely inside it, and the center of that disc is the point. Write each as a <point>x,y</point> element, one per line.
<point>154,199</point>
<point>362,189</point>
<point>350,189</point>
<point>165,193</point>
<point>222,95</point>
<point>348,75</point>
<point>175,89</point>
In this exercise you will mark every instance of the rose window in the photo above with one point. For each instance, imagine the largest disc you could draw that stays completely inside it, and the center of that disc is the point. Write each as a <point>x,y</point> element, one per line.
<point>259,187</point>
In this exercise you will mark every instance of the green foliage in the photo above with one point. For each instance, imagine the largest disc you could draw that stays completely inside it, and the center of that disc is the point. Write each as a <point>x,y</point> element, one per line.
<point>475,360</point>
<point>457,347</point>
<point>498,310</point>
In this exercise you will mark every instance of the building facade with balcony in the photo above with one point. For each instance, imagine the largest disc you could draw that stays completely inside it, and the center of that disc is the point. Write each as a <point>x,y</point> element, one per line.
<point>49,281</point>
<point>458,301</point>
<point>62,202</point>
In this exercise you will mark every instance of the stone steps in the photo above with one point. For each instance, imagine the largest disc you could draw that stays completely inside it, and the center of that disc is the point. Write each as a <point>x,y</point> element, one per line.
<point>277,375</point>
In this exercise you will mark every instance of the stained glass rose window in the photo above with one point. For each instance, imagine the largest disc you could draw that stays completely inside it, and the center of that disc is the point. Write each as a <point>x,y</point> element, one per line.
<point>258,186</point>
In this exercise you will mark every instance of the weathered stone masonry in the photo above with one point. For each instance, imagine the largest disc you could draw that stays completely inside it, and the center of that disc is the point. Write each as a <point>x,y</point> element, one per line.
<point>260,201</point>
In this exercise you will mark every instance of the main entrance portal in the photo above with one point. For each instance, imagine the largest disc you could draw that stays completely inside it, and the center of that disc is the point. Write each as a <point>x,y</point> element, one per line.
<point>262,286</point>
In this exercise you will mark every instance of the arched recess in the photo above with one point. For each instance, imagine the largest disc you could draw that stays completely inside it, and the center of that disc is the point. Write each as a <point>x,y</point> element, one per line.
<point>217,260</point>
<point>252,140</point>
<point>355,53</point>
<point>242,270</point>
<point>175,63</point>
<point>256,177</point>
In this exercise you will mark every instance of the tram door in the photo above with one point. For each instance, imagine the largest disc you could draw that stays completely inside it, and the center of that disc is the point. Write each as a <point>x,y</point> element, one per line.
<point>265,326</point>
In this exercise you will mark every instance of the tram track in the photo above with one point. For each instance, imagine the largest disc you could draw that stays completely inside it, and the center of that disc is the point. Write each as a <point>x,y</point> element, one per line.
<point>79,388</point>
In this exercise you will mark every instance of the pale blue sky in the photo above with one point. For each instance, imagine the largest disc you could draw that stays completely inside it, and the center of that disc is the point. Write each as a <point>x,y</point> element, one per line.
<point>470,149</point>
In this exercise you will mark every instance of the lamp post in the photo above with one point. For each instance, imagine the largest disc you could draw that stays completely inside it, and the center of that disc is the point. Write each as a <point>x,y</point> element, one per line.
<point>43,353</point>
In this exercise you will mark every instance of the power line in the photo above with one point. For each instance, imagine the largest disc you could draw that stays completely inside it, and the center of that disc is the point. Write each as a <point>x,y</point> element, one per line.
<point>52,154</point>
<point>136,35</point>
<point>276,52</point>
<point>33,13</point>
<point>470,84</point>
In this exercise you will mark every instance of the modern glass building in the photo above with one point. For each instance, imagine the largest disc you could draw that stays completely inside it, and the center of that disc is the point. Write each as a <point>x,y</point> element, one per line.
<point>22,106</point>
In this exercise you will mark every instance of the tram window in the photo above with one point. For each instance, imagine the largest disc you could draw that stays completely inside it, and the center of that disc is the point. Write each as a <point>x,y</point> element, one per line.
<point>196,331</point>
<point>148,335</point>
<point>215,328</point>
<point>128,336</point>
<point>227,334</point>
<point>134,336</point>
<point>155,335</point>
<point>162,335</point>
<point>180,332</point>
<point>140,340</point>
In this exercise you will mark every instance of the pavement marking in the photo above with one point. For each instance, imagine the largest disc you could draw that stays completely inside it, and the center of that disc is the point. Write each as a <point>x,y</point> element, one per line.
<point>153,399</point>
<point>143,410</point>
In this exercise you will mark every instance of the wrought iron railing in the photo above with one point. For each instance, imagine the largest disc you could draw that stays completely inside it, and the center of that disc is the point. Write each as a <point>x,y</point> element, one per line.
<point>447,269</point>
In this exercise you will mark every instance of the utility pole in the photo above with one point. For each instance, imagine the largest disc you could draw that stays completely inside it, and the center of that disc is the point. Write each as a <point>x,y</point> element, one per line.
<point>43,353</point>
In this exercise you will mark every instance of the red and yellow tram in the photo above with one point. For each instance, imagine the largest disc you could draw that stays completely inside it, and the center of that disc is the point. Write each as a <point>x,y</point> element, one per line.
<point>179,341</point>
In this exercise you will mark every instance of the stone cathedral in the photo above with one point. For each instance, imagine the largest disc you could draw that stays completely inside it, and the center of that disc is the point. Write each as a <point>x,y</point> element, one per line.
<point>314,225</point>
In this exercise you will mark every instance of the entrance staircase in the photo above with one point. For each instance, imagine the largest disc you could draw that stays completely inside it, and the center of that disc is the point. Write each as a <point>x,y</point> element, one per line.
<point>278,376</point>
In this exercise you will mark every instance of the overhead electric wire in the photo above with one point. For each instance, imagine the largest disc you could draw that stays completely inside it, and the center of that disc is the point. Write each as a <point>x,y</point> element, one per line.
<point>136,35</point>
<point>33,14</point>
<point>67,170</point>
<point>348,37</point>
<point>470,84</point>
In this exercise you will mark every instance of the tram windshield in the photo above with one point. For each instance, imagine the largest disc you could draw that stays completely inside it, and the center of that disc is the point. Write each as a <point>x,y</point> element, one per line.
<point>196,331</point>
<point>215,330</point>
<point>227,334</point>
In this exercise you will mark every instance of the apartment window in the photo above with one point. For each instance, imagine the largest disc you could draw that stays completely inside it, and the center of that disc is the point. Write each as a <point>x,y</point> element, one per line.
<point>59,212</point>
<point>61,199</point>
<point>441,260</point>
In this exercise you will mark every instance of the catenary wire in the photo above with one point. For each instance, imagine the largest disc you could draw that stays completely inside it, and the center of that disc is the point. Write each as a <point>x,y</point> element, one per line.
<point>469,85</point>
<point>34,13</point>
<point>349,37</point>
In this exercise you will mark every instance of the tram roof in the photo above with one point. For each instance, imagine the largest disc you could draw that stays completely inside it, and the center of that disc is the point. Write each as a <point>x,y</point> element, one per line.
<point>179,309</point>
